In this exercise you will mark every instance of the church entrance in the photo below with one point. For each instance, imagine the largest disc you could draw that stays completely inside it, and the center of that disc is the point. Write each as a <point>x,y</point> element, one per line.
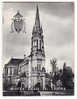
<point>38,86</point>
<point>21,85</point>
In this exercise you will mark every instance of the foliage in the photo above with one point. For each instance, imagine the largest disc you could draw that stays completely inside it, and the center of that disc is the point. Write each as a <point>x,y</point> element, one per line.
<point>67,78</point>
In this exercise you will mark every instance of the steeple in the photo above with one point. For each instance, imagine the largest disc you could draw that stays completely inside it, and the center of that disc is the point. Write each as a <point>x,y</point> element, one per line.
<point>37,45</point>
<point>37,29</point>
<point>37,20</point>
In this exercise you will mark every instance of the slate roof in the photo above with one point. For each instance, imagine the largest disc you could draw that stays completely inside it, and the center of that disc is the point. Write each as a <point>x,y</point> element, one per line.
<point>15,61</point>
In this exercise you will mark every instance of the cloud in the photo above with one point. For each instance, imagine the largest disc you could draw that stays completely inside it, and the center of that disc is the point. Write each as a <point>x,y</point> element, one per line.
<point>61,9</point>
<point>57,20</point>
<point>58,31</point>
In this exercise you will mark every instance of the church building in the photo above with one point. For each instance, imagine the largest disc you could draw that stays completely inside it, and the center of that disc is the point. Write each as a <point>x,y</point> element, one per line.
<point>30,70</point>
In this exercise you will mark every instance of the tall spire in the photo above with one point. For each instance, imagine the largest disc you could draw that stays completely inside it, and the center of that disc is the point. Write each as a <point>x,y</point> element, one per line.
<point>37,29</point>
<point>37,20</point>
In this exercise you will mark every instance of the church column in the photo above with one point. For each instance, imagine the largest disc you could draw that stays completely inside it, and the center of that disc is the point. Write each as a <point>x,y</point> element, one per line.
<point>43,81</point>
<point>30,76</point>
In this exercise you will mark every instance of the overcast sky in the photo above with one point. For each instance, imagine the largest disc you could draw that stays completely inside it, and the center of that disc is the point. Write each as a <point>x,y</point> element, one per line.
<point>57,20</point>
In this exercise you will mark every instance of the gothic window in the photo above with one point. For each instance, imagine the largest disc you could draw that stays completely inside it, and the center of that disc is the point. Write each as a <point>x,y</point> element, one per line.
<point>10,71</point>
<point>15,71</point>
<point>38,67</point>
<point>6,71</point>
<point>35,42</point>
<point>40,44</point>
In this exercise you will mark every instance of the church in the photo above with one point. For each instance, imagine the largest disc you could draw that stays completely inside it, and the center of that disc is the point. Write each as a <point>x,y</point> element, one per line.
<point>30,71</point>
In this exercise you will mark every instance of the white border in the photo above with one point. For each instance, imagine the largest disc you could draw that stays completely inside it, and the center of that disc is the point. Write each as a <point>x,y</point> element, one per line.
<point>75,48</point>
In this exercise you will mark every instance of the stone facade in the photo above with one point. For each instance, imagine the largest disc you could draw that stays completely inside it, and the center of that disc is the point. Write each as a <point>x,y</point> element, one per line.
<point>37,53</point>
<point>10,74</point>
<point>30,70</point>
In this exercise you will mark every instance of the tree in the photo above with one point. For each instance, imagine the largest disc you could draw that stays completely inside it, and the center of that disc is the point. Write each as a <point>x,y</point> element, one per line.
<point>67,77</point>
<point>53,63</point>
<point>56,80</point>
<point>54,76</point>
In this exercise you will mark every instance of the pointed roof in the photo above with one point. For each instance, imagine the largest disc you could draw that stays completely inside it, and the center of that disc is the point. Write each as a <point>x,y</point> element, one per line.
<point>37,20</point>
<point>37,29</point>
<point>15,61</point>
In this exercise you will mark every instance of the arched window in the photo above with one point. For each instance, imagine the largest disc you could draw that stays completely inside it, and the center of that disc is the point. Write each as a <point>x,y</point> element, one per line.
<point>38,67</point>
<point>40,44</point>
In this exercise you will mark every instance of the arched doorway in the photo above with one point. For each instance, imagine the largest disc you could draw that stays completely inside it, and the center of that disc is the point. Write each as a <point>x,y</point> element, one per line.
<point>38,86</point>
<point>19,84</point>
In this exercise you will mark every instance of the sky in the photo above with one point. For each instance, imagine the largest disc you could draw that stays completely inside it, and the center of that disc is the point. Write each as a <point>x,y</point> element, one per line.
<point>57,20</point>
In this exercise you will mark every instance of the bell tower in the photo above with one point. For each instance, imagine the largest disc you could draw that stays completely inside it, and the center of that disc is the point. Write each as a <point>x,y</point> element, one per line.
<point>37,45</point>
